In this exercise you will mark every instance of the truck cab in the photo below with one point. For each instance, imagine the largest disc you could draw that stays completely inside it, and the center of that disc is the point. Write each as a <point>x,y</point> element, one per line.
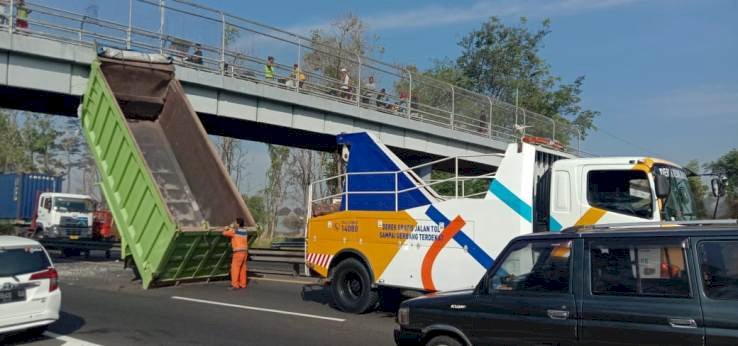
<point>588,191</point>
<point>63,215</point>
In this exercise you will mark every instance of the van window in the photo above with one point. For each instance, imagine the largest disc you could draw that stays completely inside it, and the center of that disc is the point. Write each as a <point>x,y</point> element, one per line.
<point>622,191</point>
<point>47,203</point>
<point>539,266</point>
<point>719,266</point>
<point>18,261</point>
<point>639,269</point>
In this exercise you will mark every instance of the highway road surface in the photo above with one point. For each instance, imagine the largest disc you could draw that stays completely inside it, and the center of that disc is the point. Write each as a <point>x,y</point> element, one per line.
<point>101,305</point>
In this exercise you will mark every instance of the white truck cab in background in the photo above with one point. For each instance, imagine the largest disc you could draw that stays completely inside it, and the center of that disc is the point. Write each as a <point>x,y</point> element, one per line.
<point>63,215</point>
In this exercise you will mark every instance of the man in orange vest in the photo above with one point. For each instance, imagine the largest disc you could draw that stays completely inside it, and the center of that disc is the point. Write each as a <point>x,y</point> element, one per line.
<point>239,245</point>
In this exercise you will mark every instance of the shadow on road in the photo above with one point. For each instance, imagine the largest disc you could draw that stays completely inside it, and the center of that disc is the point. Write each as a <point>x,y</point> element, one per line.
<point>67,324</point>
<point>388,304</point>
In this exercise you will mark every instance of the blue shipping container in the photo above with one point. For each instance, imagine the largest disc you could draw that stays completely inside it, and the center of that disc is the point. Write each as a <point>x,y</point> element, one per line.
<point>19,193</point>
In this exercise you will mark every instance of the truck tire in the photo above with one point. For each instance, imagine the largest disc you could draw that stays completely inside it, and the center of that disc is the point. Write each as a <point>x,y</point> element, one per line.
<point>351,287</point>
<point>443,340</point>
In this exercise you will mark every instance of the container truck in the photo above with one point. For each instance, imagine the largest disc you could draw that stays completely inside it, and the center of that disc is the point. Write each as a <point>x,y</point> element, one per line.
<point>164,183</point>
<point>386,227</point>
<point>19,195</point>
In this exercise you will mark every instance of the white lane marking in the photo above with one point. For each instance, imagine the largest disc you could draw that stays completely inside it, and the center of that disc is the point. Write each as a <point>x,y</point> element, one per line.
<point>285,280</point>
<point>68,340</point>
<point>246,307</point>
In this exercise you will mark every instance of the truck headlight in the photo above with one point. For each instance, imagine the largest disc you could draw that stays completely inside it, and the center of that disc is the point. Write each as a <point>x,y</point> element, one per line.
<point>54,231</point>
<point>403,316</point>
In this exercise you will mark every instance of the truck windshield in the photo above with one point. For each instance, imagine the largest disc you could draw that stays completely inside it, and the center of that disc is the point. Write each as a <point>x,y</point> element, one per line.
<point>72,205</point>
<point>679,205</point>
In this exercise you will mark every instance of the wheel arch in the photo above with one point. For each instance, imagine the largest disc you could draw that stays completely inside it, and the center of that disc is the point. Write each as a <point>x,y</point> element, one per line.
<point>350,253</point>
<point>435,330</point>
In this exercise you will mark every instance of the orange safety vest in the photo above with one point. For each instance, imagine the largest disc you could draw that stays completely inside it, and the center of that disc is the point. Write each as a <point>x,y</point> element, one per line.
<point>239,239</point>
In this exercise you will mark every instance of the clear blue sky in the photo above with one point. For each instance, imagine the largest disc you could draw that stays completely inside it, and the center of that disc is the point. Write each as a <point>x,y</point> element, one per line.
<point>664,74</point>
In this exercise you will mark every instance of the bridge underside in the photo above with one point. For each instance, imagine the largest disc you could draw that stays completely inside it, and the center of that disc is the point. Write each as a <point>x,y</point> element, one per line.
<point>53,103</point>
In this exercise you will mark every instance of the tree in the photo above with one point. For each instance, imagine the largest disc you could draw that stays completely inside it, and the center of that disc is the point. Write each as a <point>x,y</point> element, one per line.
<point>699,191</point>
<point>257,209</point>
<point>14,155</point>
<point>70,147</point>
<point>41,137</point>
<point>499,60</point>
<point>275,189</point>
<point>338,46</point>
<point>728,166</point>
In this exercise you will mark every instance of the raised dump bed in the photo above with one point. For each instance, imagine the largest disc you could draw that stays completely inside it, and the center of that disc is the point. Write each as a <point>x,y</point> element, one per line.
<point>165,185</point>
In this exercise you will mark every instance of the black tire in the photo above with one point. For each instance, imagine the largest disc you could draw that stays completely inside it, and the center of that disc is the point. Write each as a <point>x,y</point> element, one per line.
<point>351,287</point>
<point>443,340</point>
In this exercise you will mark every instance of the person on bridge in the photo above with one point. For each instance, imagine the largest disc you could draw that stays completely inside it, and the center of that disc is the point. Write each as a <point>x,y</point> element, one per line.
<point>239,245</point>
<point>21,14</point>
<point>269,69</point>
<point>345,84</point>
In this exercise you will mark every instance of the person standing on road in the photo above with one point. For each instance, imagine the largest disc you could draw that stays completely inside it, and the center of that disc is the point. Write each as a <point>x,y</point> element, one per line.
<point>239,246</point>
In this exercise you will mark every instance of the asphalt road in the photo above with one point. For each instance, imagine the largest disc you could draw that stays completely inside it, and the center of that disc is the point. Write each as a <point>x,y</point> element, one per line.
<point>101,305</point>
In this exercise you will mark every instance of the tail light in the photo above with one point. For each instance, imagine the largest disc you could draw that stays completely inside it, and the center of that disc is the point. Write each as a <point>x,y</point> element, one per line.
<point>50,274</point>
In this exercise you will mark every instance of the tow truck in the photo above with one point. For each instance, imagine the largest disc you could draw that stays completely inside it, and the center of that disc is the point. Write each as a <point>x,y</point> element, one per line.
<point>384,226</point>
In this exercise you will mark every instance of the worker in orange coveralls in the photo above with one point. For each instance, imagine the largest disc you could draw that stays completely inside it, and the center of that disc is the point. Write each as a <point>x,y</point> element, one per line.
<point>239,245</point>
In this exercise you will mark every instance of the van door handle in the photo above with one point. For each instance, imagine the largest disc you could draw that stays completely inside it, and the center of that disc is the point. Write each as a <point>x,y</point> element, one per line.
<point>558,314</point>
<point>686,323</point>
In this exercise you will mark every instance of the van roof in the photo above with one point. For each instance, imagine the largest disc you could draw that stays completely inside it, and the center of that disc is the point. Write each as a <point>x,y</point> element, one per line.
<point>13,241</point>
<point>700,228</point>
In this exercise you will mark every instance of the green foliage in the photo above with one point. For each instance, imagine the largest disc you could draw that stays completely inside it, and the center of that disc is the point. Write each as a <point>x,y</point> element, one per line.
<point>41,137</point>
<point>256,206</point>
<point>14,156</point>
<point>699,190</point>
<point>473,188</point>
<point>728,165</point>
<point>497,60</point>
<point>275,189</point>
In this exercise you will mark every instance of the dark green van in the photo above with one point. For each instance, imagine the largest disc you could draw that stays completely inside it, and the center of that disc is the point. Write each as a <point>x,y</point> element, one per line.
<point>636,285</point>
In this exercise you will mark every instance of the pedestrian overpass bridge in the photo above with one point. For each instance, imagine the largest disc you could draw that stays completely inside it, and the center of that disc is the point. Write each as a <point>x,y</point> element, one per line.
<point>44,68</point>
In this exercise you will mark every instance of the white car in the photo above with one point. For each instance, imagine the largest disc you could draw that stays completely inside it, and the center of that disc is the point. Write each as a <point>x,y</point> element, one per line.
<point>30,297</point>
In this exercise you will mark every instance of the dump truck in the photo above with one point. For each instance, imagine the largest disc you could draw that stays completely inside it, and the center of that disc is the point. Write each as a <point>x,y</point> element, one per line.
<point>381,225</point>
<point>168,191</point>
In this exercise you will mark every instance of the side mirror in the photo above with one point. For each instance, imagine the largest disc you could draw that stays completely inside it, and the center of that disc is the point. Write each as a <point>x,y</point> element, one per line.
<point>663,186</point>
<point>718,187</point>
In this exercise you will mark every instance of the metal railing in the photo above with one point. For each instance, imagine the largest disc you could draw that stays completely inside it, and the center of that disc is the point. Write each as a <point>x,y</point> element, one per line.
<point>208,39</point>
<point>341,189</point>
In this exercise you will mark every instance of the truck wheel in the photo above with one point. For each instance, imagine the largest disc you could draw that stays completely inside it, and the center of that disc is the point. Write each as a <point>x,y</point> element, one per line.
<point>443,340</point>
<point>351,287</point>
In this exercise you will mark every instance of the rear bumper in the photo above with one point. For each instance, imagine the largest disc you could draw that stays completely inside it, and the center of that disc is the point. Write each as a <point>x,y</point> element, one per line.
<point>48,315</point>
<point>408,337</point>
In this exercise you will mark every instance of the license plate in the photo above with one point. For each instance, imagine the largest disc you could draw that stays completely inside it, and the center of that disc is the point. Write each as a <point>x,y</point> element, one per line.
<point>12,296</point>
<point>73,237</point>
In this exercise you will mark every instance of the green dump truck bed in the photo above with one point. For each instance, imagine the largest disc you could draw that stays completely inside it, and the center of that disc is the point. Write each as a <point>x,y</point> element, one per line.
<point>163,181</point>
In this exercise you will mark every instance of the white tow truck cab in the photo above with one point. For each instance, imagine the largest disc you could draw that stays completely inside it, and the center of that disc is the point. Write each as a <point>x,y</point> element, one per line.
<point>63,215</point>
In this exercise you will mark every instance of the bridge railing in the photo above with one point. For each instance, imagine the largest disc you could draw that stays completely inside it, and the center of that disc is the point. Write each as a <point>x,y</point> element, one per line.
<point>212,40</point>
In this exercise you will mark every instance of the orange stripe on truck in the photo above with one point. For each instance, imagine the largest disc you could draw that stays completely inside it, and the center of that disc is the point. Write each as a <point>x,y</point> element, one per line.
<point>448,233</point>
<point>590,217</point>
